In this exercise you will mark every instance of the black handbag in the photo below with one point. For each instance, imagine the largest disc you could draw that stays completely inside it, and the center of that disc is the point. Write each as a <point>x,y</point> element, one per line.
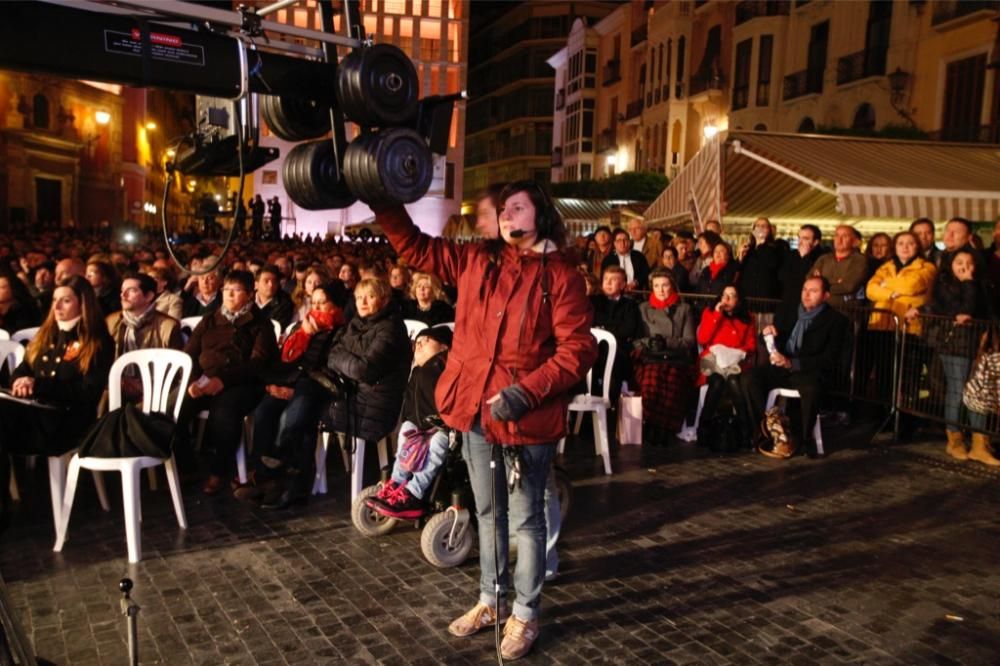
<point>128,432</point>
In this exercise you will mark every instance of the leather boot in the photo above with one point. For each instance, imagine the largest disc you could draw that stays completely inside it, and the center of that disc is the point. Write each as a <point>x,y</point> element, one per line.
<point>982,451</point>
<point>956,445</point>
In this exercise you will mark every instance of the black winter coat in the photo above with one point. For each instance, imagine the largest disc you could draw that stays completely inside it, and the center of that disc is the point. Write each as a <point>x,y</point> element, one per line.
<point>20,315</point>
<point>439,313</point>
<point>715,287</point>
<point>419,401</point>
<point>759,273</point>
<point>280,309</point>
<point>826,345</point>
<point>374,352</point>
<point>793,272</point>
<point>58,382</point>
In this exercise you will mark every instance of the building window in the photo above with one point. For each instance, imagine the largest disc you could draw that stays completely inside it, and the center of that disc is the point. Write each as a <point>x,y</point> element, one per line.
<point>818,39</point>
<point>807,125</point>
<point>963,98</point>
<point>679,85</point>
<point>40,112</point>
<point>864,118</point>
<point>877,37</point>
<point>269,177</point>
<point>449,180</point>
<point>741,77</point>
<point>764,70</point>
<point>585,171</point>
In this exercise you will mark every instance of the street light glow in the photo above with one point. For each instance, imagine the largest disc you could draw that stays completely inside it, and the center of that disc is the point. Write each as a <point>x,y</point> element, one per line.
<point>710,131</point>
<point>102,117</point>
<point>150,125</point>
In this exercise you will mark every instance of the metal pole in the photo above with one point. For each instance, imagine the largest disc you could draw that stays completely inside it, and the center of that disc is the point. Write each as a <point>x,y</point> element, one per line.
<point>264,11</point>
<point>130,609</point>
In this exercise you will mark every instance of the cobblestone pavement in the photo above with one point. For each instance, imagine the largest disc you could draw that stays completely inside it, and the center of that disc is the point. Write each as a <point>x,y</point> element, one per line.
<point>873,555</point>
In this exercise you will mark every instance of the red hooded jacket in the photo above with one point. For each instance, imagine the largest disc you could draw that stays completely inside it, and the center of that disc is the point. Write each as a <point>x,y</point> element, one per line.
<point>511,327</point>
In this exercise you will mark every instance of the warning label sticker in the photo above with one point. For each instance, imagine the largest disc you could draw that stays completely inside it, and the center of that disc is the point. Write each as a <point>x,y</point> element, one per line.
<point>162,46</point>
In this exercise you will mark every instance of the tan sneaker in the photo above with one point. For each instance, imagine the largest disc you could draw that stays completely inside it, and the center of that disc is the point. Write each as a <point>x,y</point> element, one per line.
<point>480,617</point>
<point>518,637</point>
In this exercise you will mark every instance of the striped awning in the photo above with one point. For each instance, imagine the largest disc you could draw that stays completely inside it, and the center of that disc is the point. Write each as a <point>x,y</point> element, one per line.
<point>695,192</point>
<point>805,176</point>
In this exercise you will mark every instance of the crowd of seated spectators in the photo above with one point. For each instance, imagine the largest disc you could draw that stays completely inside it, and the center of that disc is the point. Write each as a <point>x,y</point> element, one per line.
<point>340,307</point>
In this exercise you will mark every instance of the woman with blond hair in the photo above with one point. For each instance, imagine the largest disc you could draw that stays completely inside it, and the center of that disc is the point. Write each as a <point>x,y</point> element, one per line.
<point>65,370</point>
<point>428,302</point>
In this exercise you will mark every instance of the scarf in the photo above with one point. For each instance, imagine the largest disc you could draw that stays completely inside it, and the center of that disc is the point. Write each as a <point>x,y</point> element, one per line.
<point>714,269</point>
<point>69,325</point>
<point>298,341</point>
<point>231,317</point>
<point>130,341</point>
<point>900,265</point>
<point>659,305</point>
<point>802,324</point>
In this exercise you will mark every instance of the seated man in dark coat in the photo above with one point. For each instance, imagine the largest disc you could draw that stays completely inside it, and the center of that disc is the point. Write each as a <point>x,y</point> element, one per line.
<point>619,315</point>
<point>270,299</point>
<point>811,341</point>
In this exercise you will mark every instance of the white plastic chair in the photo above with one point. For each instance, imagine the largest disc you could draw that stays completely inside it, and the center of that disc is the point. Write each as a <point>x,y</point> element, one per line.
<point>159,370</point>
<point>4,335</point>
<point>449,324</point>
<point>25,335</point>
<point>413,327</point>
<point>11,355</point>
<point>277,329</point>
<point>188,324</point>
<point>598,405</point>
<point>772,397</point>
<point>355,465</point>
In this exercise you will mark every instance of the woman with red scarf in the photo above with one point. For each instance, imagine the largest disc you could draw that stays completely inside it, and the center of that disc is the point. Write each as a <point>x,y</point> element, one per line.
<point>719,273</point>
<point>664,358</point>
<point>726,329</point>
<point>284,422</point>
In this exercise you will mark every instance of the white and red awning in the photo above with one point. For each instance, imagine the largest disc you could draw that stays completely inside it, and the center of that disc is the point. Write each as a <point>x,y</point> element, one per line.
<point>795,177</point>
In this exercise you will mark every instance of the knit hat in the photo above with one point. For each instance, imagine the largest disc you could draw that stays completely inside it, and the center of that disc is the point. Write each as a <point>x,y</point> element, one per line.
<point>440,334</point>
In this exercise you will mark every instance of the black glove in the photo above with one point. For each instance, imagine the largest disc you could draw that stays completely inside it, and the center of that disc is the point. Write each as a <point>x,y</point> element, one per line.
<point>512,405</point>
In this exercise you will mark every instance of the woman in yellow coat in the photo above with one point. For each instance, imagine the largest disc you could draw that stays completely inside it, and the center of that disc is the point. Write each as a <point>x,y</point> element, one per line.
<point>904,281</point>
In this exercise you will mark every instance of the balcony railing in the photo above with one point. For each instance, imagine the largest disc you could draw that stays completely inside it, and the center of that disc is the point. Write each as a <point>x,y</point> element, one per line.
<point>633,109</point>
<point>612,72</point>
<point>859,65</point>
<point>656,96</point>
<point>649,99</point>
<point>666,91</point>
<point>560,99</point>
<point>751,9</point>
<point>952,9</point>
<point>639,34</point>
<point>705,82</point>
<point>741,97</point>
<point>607,140</point>
<point>802,83</point>
<point>971,134</point>
<point>557,157</point>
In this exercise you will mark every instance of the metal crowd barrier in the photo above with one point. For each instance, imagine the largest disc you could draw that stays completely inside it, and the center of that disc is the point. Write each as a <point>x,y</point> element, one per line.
<point>936,363</point>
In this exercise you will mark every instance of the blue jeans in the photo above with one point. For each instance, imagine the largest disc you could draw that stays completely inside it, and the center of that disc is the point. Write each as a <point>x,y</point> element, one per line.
<point>956,371</point>
<point>418,483</point>
<point>526,506</point>
<point>286,429</point>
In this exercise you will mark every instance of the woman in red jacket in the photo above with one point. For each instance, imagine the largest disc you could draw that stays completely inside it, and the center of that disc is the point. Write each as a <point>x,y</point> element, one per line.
<point>522,342</point>
<point>727,323</point>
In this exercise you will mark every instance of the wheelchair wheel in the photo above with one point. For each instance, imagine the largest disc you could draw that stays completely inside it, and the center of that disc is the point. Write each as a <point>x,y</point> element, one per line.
<point>369,522</point>
<point>564,488</point>
<point>434,541</point>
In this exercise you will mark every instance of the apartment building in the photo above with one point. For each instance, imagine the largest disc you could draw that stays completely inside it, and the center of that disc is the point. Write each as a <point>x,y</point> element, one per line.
<point>691,69</point>
<point>509,132</point>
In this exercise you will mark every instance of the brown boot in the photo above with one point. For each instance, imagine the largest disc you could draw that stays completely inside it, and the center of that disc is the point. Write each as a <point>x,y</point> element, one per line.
<point>982,451</point>
<point>956,445</point>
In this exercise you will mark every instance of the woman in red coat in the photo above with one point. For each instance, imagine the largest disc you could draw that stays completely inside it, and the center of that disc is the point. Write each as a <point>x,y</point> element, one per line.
<point>727,323</point>
<point>522,342</point>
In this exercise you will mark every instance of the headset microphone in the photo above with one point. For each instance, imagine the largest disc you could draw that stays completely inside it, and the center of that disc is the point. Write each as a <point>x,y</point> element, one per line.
<point>517,233</point>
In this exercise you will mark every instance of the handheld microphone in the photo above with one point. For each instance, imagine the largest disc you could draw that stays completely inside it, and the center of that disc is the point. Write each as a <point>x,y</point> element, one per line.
<point>516,233</point>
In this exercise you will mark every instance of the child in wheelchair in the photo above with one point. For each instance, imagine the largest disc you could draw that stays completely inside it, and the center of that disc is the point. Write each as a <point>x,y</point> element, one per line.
<point>422,448</point>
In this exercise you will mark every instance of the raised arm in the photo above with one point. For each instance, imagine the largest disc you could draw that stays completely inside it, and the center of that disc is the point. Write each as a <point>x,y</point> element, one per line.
<point>443,258</point>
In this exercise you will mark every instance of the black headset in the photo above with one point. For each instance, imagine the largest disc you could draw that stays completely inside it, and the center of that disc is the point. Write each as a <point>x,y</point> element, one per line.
<point>545,217</point>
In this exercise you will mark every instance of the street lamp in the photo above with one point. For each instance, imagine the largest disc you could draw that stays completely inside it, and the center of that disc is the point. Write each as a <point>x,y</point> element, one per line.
<point>150,125</point>
<point>710,130</point>
<point>102,117</point>
<point>899,82</point>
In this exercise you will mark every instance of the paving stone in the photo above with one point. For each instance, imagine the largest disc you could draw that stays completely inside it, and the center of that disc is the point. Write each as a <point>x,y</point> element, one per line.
<point>679,557</point>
